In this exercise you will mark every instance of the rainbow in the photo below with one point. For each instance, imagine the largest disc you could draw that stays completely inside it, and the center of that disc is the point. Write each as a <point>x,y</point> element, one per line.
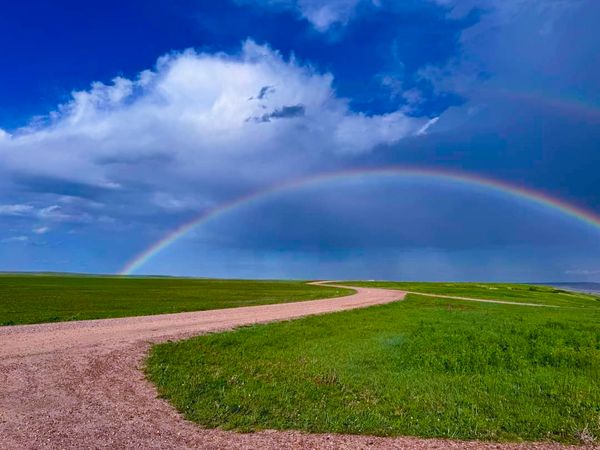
<point>459,177</point>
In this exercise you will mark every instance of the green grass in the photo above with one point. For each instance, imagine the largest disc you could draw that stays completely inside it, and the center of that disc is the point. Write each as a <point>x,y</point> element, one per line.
<point>495,291</point>
<point>423,367</point>
<point>53,298</point>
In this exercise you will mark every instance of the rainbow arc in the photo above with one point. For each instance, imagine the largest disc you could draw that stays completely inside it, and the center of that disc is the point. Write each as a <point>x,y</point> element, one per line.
<point>536,197</point>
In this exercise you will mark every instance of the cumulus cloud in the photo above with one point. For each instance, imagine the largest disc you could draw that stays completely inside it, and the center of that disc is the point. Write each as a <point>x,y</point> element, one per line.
<point>187,120</point>
<point>41,230</point>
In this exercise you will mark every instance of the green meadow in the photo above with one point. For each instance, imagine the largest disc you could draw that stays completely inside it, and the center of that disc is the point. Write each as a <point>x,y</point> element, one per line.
<point>425,366</point>
<point>520,293</point>
<point>53,298</point>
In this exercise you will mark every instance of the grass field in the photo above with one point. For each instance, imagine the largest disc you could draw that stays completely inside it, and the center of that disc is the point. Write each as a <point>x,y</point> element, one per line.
<point>506,292</point>
<point>53,298</point>
<point>422,367</point>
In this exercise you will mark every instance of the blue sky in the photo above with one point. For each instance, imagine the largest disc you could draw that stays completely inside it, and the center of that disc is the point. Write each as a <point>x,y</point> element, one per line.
<point>121,121</point>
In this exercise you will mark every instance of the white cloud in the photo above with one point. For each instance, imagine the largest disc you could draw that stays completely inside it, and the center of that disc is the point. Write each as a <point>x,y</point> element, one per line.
<point>47,213</point>
<point>198,119</point>
<point>11,239</point>
<point>16,210</point>
<point>41,230</point>
<point>428,125</point>
<point>57,213</point>
<point>500,13</point>
<point>322,14</point>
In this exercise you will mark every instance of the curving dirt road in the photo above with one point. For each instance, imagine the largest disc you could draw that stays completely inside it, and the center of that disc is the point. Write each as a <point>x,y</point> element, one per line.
<point>77,385</point>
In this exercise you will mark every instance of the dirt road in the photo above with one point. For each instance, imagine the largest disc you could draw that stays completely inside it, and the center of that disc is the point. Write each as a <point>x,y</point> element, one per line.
<point>78,385</point>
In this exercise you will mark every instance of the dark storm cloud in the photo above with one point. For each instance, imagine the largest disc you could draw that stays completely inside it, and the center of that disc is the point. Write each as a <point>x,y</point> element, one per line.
<point>374,213</point>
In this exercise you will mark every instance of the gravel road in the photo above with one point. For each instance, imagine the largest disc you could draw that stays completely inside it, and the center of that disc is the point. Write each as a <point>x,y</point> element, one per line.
<point>78,385</point>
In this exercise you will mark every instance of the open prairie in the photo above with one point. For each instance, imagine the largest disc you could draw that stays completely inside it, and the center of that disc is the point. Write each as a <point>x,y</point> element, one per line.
<point>427,366</point>
<point>401,371</point>
<point>56,298</point>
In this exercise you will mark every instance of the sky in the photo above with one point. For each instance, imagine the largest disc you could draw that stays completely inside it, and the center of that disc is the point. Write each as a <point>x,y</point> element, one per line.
<point>121,122</point>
